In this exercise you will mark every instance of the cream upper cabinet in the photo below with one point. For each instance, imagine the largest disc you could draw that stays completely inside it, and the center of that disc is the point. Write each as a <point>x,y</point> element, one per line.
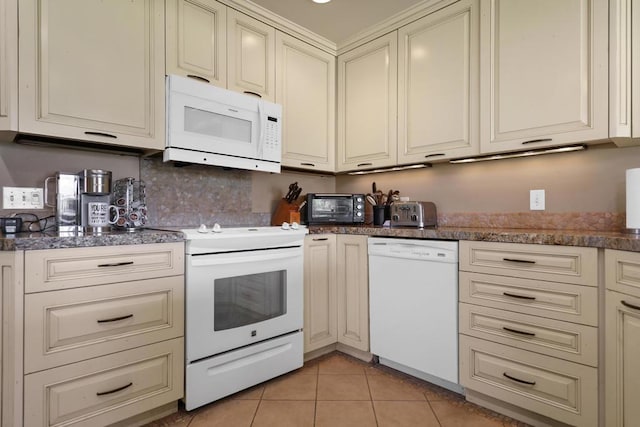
<point>306,89</point>
<point>93,70</point>
<point>251,52</point>
<point>544,73</point>
<point>624,79</point>
<point>353,291</point>
<point>438,85</point>
<point>367,105</point>
<point>320,320</point>
<point>8,69</point>
<point>196,46</point>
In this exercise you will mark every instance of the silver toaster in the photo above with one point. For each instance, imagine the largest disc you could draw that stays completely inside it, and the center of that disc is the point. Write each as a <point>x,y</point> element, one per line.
<point>414,214</point>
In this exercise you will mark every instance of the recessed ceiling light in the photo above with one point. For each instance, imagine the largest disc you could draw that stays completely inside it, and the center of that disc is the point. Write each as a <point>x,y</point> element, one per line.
<point>321,1</point>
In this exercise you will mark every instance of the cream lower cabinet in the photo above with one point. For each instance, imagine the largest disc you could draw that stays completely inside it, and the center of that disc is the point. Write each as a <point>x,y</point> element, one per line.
<point>8,69</point>
<point>93,71</point>
<point>438,85</point>
<point>103,329</point>
<point>196,40</point>
<point>306,88</point>
<point>624,69</point>
<point>11,337</point>
<point>544,73</point>
<point>367,105</point>
<point>622,338</point>
<point>529,331</point>
<point>336,292</point>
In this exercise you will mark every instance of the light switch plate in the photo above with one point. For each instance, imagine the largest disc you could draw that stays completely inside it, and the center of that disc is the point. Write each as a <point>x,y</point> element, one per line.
<point>536,200</point>
<point>22,198</point>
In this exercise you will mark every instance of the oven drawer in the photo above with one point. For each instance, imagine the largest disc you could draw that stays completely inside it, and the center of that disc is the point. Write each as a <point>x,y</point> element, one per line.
<point>106,389</point>
<point>555,388</point>
<point>47,270</point>
<point>74,324</point>
<point>578,304</point>
<point>569,341</point>
<point>567,264</point>
<point>219,376</point>
<point>622,271</point>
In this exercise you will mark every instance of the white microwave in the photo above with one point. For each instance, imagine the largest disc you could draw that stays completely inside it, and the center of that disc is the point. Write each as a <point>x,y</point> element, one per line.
<point>214,126</point>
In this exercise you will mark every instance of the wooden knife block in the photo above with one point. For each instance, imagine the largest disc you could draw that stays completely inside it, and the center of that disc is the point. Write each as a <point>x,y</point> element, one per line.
<point>286,212</point>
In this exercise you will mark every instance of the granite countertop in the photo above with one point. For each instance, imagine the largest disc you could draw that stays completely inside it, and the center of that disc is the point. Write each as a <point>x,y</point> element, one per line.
<point>587,238</point>
<point>58,240</point>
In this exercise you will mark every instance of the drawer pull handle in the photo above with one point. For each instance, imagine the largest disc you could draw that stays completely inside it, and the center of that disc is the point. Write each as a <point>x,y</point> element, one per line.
<point>533,141</point>
<point>202,79</point>
<point>359,165</point>
<point>523,261</point>
<point>307,164</point>
<point>115,390</point>
<point>106,135</point>
<point>116,264</point>
<point>518,380</point>
<point>115,319</point>
<point>515,331</point>
<point>433,155</point>
<point>507,294</point>
<point>626,304</point>
<point>321,239</point>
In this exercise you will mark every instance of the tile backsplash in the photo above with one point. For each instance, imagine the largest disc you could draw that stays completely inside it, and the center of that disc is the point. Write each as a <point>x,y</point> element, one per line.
<point>195,194</point>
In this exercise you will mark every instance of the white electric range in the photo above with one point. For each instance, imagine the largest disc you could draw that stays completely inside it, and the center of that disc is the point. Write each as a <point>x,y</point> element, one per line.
<point>244,303</point>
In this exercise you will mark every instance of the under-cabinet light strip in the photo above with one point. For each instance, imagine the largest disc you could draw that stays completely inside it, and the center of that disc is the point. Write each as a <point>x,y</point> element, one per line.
<point>521,154</point>
<point>392,169</point>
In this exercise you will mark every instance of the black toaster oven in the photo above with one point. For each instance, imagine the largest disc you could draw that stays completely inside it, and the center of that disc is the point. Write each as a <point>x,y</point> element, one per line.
<point>333,208</point>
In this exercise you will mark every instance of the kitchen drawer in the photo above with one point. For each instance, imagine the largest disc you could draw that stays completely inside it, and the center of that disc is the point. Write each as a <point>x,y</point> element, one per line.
<point>52,269</point>
<point>106,389</point>
<point>569,341</point>
<point>555,388</point>
<point>622,271</point>
<point>70,325</point>
<point>567,264</point>
<point>578,304</point>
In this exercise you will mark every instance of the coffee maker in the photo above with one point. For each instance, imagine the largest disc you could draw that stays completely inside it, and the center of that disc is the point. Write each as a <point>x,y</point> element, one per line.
<point>82,201</point>
<point>95,197</point>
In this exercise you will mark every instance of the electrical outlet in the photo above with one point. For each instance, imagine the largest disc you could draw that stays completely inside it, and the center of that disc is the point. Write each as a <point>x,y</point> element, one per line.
<point>22,198</point>
<point>536,200</point>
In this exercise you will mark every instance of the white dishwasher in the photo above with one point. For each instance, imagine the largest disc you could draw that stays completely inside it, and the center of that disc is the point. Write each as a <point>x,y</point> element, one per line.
<point>413,302</point>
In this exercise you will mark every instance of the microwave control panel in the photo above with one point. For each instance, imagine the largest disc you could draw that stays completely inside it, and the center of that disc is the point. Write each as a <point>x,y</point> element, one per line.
<point>272,132</point>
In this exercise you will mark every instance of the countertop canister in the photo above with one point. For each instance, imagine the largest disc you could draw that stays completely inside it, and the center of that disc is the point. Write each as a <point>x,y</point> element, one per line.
<point>633,200</point>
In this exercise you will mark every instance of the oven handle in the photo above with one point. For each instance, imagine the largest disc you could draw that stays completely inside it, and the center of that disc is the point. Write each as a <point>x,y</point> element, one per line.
<point>257,256</point>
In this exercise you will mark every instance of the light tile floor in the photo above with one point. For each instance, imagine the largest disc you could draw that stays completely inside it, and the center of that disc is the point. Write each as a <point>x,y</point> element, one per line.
<point>337,390</point>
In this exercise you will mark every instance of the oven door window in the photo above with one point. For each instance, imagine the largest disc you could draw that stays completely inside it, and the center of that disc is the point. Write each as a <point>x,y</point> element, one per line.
<point>248,299</point>
<point>332,208</point>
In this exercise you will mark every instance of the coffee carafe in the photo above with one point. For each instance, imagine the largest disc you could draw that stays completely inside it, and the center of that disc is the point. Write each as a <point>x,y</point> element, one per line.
<point>67,203</point>
<point>96,212</point>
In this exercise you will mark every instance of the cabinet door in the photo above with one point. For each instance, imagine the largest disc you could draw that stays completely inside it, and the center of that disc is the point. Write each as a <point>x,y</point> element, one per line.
<point>197,40</point>
<point>438,85</point>
<point>624,55</point>
<point>93,70</point>
<point>544,73</point>
<point>367,105</point>
<point>8,69</point>
<point>622,362</point>
<point>306,89</point>
<point>319,291</point>
<point>353,291</point>
<point>251,52</point>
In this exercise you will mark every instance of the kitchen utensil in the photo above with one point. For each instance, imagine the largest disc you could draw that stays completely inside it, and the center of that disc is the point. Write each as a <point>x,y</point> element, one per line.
<point>371,200</point>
